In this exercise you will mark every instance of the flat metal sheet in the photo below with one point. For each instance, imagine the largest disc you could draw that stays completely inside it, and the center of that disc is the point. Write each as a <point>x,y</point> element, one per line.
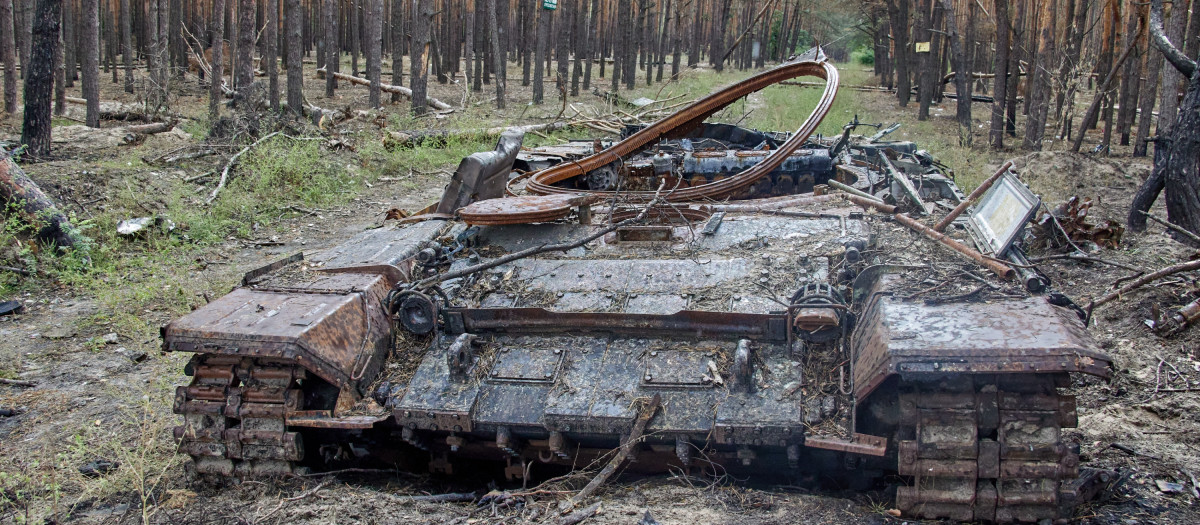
<point>527,364</point>
<point>1002,213</point>
<point>677,368</point>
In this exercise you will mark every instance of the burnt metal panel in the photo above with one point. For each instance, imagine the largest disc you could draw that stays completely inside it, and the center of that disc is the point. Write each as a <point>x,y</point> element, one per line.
<point>1009,336</point>
<point>437,399</point>
<point>527,364</point>
<point>687,323</point>
<point>482,175</point>
<point>387,245</point>
<point>771,413</point>
<point>334,326</point>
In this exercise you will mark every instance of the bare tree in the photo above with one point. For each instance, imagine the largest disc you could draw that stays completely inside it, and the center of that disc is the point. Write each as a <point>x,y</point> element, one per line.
<point>271,35</point>
<point>539,54</point>
<point>332,57</point>
<point>295,48</point>
<point>67,46</point>
<point>216,94</point>
<point>89,39</point>
<point>374,48</point>
<point>127,45</point>
<point>39,78</point>
<point>1000,86</point>
<point>497,53</point>
<point>420,54</point>
<point>244,76</point>
<point>562,47</point>
<point>1177,169</point>
<point>8,54</point>
<point>397,46</point>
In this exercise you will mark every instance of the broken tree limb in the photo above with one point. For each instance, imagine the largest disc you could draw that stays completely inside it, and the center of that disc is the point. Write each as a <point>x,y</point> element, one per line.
<point>1180,229</point>
<point>17,382</point>
<point>152,128</point>
<point>18,191</point>
<point>443,138</point>
<point>229,165</point>
<point>438,498</point>
<point>115,110</point>
<point>1143,280</point>
<point>635,437</point>
<point>387,88</point>
<point>580,515</point>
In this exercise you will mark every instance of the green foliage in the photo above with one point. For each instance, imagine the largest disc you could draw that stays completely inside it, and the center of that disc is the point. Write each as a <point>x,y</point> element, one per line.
<point>864,55</point>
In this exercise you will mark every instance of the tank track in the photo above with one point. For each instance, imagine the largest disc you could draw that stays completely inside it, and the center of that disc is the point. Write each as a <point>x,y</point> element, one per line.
<point>986,448</point>
<point>233,416</point>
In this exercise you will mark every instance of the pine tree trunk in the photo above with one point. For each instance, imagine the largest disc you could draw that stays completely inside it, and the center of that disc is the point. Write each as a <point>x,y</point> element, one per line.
<point>577,29</point>
<point>26,27</point>
<point>397,46</point>
<point>621,32</point>
<point>562,46</point>
<point>1130,75</point>
<point>694,36</point>
<point>332,55</point>
<point>421,27</point>
<point>215,94</point>
<point>529,42</point>
<point>69,44</point>
<point>1035,128</point>
<point>245,47</point>
<point>60,77</point>
<point>1000,84</point>
<point>39,77</point>
<point>590,34</point>
<point>127,45</point>
<point>497,53</point>
<point>373,49</point>
<point>89,39</point>
<point>962,74</point>
<point>926,65</point>
<point>898,19</point>
<point>294,18</point>
<point>716,49</point>
<point>1169,106</point>
<point>355,36</point>
<point>269,57</point>
<point>8,54</point>
<point>539,54</point>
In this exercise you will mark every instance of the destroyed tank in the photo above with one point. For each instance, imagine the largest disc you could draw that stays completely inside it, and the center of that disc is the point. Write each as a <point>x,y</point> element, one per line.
<point>699,288</point>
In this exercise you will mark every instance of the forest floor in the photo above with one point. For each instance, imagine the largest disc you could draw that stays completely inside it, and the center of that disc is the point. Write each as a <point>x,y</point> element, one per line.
<point>91,442</point>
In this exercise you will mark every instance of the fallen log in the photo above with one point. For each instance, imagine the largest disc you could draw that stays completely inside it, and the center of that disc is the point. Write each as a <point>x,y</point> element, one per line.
<point>18,191</point>
<point>114,110</point>
<point>443,137</point>
<point>387,88</point>
<point>17,382</point>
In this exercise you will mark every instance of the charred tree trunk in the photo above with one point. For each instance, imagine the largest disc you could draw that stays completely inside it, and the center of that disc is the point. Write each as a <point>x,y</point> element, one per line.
<point>1000,85</point>
<point>8,54</point>
<point>497,54</point>
<point>35,208</point>
<point>127,45</point>
<point>295,63</point>
<point>373,50</point>
<point>590,33</point>
<point>1148,94</point>
<point>355,35</point>
<point>39,78</point>
<point>68,44</point>
<point>539,55</point>
<point>694,37</point>
<point>25,26</point>
<point>245,45</point>
<point>898,19</point>
<point>716,49</point>
<point>216,95</point>
<point>397,46</point>
<point>926,65</point>
<point>1129,76</point>
<point>962,74</point>
<point>420,54</point>
<point>677,41</point>
<point>1039,82</point>
<point>89,38</point>
<point>332,55</point>
<point>271,35</point>
<point>562,46</point>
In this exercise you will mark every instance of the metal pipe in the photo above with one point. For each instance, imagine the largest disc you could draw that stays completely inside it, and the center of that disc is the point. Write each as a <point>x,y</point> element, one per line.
<point>872,203</point>
<point>962,206</point>
<point>1004,271</point>
<point>853,191</point>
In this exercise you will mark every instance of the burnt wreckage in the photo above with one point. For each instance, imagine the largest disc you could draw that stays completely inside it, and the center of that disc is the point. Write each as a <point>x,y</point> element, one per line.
<point>529,315</point>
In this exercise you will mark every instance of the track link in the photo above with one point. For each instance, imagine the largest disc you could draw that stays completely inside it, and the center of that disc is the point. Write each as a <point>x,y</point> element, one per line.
<point>986,448</point>
<point>233,416</point>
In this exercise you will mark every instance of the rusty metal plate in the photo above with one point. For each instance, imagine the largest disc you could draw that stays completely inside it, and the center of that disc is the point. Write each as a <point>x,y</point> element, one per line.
<point>678,368</point>
<point>527,364</point>
<point>519,210</point>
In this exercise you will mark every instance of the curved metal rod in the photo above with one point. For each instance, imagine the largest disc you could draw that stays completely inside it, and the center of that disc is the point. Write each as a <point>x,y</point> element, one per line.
<point>679,123</point>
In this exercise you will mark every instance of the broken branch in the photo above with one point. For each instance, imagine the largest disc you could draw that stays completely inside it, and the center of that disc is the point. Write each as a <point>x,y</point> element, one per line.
<point>634,438</point>
<point>1142,281</point>
<point>387,88</point>
<point>229,165</point>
